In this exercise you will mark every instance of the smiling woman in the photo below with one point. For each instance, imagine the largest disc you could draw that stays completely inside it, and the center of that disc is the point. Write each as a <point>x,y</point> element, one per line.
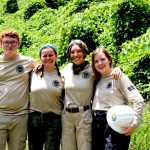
<point>77,116</point>
<point>109,93</point>
<point>44,124</point>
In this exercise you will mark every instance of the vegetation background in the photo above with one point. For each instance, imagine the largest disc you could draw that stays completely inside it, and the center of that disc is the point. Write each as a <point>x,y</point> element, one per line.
<point>122,26</point>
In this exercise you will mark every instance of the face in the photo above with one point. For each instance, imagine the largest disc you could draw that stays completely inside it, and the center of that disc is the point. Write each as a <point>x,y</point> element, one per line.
<point>102,64</point>
<point>9,46</point>
<point>77,55</point>
<point>48,57</point>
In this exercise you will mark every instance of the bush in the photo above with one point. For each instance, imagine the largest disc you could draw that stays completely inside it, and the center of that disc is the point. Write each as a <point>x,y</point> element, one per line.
<point>55,3</point>
<point>11,6</point>
<point>135,60</point>
<point>32,8</point>
<point>131,20</point>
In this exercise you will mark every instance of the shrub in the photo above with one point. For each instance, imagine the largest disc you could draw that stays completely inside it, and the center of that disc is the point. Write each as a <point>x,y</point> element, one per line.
<point>32,8</point>
<point>135,60</point>
<point>55,3</point>
<point>26,41</point>
<point>11,6</point>
<point>131,20</point>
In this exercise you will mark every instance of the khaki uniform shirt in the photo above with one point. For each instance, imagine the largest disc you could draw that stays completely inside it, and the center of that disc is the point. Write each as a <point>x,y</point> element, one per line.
<point>111,92</point>
<point>14,84</point>
<point>46,92</point>
<point>78,88</point>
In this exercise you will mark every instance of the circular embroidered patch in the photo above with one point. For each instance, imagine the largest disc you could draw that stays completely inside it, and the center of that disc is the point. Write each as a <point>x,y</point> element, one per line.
<point>20,69</point>
<point>56,83</point>
<point>85,75</point>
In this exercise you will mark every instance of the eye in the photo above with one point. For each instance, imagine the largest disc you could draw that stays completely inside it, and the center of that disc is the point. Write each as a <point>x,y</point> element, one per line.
<point>51,55</point>
<point>95,61</point>
<point>103,59</point>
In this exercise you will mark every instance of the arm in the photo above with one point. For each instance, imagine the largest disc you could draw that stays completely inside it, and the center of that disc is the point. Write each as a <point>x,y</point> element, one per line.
<point>133,95</point>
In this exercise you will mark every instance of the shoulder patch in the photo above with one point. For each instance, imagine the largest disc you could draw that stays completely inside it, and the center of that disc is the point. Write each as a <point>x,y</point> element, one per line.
<point>130,88</point>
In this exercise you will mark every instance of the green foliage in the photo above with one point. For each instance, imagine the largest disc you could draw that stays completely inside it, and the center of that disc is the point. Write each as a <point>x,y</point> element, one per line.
<point>141,76</point>
<point>26,41</point>
<point>55,3</point>
<point>140,139</point>
<point>135,61</point>
<point>131,20</point>
<point>11,6</point>
<point>32,8</point>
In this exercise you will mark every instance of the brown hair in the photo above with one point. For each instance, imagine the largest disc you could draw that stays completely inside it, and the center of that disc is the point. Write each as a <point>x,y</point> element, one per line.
<point>10,33</point>
<point>107,54</point>
<point>80,43</point>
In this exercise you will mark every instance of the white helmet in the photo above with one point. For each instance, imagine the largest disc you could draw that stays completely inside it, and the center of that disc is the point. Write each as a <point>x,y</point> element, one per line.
<point>119,117</point>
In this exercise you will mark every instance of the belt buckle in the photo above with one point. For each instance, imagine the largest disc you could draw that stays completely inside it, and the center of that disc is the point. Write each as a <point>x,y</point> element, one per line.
<point>74,110</point>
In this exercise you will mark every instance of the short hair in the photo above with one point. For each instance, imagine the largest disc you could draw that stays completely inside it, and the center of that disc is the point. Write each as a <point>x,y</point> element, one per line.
<point>10,33</point>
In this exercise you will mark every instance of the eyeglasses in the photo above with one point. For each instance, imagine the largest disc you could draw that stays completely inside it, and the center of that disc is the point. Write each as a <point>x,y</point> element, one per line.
<point>11,43</point>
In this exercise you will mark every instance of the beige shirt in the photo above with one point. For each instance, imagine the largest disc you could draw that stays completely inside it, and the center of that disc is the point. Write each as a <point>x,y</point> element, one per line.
<point>46,92</point>
<point>111,92</point>
<point>14,84</point>
<point>78,88</point>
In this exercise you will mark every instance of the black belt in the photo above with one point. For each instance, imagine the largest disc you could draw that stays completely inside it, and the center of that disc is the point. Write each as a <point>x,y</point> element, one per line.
<point>99,113</point>
<point>47,114</point>
<point>77,109</point>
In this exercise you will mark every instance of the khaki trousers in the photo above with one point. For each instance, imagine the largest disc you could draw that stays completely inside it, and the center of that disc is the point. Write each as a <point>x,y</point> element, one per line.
<point>13,131</point>
<point>76,130</point>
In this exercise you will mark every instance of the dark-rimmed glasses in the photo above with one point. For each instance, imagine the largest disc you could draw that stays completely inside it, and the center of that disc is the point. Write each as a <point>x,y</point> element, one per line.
<point>11,43</point>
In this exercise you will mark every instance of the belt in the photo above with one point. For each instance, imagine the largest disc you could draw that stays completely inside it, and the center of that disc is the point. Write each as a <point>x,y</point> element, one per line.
<point>48,114</point>
<point>77,109</point>
<point>99,113</point>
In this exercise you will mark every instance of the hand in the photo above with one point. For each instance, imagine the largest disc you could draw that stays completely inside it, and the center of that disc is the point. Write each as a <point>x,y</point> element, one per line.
<point>37,68</point>
<point>116,73</point>
<point>129,130</point>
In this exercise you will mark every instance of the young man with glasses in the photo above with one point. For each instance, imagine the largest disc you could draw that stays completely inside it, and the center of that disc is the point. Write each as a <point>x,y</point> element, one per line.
<point>14,91</point>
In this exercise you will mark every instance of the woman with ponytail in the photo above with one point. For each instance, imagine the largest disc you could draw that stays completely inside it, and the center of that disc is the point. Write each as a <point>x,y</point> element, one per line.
<point>44,124</point>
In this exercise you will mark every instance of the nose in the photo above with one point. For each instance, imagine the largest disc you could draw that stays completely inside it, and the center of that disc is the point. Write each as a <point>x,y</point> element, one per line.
<point>99,62</point>
<point>75,53</point>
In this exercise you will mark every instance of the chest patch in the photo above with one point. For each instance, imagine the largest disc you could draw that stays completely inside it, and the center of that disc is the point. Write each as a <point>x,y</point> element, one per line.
<point>56,83</point>
<point>20,69</point>
<point>109,85</point>
<point>85,75</point>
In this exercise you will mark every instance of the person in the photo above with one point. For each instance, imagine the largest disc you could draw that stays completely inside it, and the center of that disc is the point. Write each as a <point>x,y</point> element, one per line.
<point>14,90</point>
<point>77,115</point>
<point>44,123</point>
<point>109,93</point>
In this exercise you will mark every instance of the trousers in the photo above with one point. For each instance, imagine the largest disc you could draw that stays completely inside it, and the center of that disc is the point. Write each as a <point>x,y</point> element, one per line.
<point>104,137</point>
<point>44,131</point>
